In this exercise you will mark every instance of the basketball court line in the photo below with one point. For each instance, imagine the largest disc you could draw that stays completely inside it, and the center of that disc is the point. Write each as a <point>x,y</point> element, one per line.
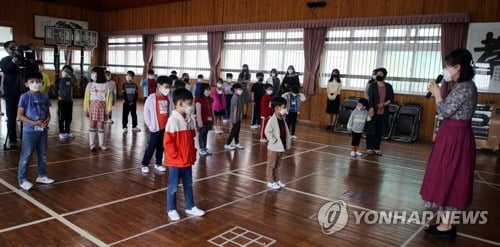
<point>26,224</point>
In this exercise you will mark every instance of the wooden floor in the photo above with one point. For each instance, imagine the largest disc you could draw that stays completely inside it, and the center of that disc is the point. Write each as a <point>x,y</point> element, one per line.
<point>103,198</point>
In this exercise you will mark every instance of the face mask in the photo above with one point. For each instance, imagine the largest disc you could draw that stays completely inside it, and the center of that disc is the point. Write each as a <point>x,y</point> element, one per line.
<point>379,78</point>
<point>164,91</point>
<point>269,92</point>
<point>35,87</point>
<point>189,110</point>
<point>290,71</point>
<point>64,74</point>
<point>93,76</point>
<point>151,76</point>
<point>260,79</point>
<point>273,74</point>
<point>374,77</point>
<point>108,78</point>
<point>245,69</point>
<point>335,75</point>
<point>40,67</point>
<point>186,80</point>
<point>239,92</point>
<point>284,111</point>
<point>206,93</point>
<point>230,79</point>
<point>219,85</point>
<point>200,80</point>
<point>128,78</point>
<point>446,75</point>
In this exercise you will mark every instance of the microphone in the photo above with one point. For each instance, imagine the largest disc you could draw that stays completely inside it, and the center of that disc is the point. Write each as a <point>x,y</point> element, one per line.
<point>438,80</point>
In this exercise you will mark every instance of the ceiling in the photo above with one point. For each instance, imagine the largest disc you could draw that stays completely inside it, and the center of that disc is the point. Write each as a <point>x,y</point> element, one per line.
<point>107,5</point>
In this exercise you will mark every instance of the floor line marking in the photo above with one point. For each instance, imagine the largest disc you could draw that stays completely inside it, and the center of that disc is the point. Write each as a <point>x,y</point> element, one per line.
<point>26,224</point>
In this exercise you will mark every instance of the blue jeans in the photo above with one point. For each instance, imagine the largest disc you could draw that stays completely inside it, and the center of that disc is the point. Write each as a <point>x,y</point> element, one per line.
<point>155,145</point>
<point>174,174</point>
<point>32,140</point>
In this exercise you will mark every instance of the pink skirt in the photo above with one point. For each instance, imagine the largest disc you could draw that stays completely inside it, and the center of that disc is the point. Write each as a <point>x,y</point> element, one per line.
<point>449,176</point>
<point>97,110</point>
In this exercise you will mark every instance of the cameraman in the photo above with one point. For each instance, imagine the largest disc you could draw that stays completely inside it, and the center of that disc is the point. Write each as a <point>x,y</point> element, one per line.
<point>10,69</point>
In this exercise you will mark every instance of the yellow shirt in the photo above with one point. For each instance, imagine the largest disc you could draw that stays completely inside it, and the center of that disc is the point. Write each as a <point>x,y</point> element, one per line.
<point>46,83</point>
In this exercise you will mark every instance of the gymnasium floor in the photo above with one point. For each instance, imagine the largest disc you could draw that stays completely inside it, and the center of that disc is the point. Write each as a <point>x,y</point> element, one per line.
<point>102,198</point>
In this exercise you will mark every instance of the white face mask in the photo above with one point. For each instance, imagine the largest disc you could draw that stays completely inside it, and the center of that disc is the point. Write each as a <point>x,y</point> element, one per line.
<point>35,87</point>
<point>164,91</point>
<point>273,74</point>
<point>108,78</point>
<point>64,74</point>
<point>374,77</point>
<point>189,110</point>
<point>219,85</point>
<point>128,78</point>
<point>269,92</point>
<point>200,80</point>
<point>284,111</point>
<point>151,76</point>
<point>239,92</point>
<point>206,93</point>
<point>446,75</point>
<point>93,76</point>
<point>290,71</point>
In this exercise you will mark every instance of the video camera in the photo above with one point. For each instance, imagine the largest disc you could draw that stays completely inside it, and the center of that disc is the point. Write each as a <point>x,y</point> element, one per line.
<point>26,57</point>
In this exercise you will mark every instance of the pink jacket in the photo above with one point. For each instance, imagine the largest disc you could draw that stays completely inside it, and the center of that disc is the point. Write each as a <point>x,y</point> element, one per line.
<point>219,105</point>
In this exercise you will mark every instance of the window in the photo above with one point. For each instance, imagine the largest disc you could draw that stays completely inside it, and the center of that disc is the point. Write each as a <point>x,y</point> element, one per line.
<point>5,35</point>
<point>124,54</point>
<point>263,50</point>
<point>411,54</point>
<point>185,53</point>
<point>76,58</point>
<point>48,58</point>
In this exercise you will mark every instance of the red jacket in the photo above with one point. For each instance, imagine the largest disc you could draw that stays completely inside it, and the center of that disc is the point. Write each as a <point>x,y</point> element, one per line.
<point>178,141</point>
<point>265,106</point>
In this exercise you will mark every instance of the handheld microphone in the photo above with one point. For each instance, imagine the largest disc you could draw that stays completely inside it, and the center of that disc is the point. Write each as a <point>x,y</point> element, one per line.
<point>438,80</point>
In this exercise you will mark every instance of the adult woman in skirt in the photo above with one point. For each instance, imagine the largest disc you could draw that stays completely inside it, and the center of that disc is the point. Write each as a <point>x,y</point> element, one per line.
<point>333,93</point>
<point>244,80</point>
<point>448,179</point>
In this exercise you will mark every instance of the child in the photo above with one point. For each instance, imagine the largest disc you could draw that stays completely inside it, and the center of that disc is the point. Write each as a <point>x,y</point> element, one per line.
<point>265,110</point>
<point>33,110</point>
<point>279,140</point>
<point>64,93</point>
<point>156,113</point>
<point>148,84</point>
<point>130,92</point>
<point>257,93</point>
<point>180,154</point>
<point>236,117</point>
<point>197,86</point>
<point>185,78</point>
<point>274,81</point>
<point>228,84</point>
<point>112,86</point>
<point>97,106</point>
<point>204,117</point>
<point>46,80</point>
<point>356,125</point>
<point>219,99</point>
<point>293,98</point>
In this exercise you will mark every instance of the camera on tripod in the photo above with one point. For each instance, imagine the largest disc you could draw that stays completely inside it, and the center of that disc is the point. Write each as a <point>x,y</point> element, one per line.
<point>26,57</point>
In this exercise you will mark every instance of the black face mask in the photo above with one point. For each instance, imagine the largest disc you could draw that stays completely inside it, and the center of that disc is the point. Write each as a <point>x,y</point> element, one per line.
<point>379,78</point>
<point>260,79</point>
<point>186,79</point>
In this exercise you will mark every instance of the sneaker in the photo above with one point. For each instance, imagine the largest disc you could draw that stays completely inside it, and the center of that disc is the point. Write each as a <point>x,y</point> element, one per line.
<point>103,148</point>
<point>136,129</point>
<point>239,146</point>
<point>70,135</point>
<point>11,146</point>
<point>195,212</point>
<point>358,153</point>
<point>124,130</point>
<point>229,147</point>
<point>110,121</point>
<point>93,147</point>
<point>432,231</point>
<point>353,154</point>
<point>273,186</point>
<point>202,152</point>
<point>370,152</point>
<point>173,215</point>
<point>225,120</point>
<point>282,185</point>
<point>378,152</point>
<point>208,152</point>
<point>144,169</point>
<point>26,185</point>
<point>44,180</point>
<point>263,140</point>
<point>160,168</point>
<point>255,126</point>
<point>294,137</point>
<point>219,131</point>
<point>63,136</point>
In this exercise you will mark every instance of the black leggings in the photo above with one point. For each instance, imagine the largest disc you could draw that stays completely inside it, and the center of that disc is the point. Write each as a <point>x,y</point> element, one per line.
<point>65,114</point>
<point>235,133</point>
<point>291,121</point>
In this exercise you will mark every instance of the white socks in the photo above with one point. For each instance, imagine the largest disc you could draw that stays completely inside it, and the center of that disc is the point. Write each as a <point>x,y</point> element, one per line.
<point>100,135</point>
<point>92,133</point>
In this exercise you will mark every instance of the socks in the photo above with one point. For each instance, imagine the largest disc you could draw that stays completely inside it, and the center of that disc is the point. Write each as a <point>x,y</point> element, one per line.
<point>92,133</point>
<point>354,148</point>
<point>100,136</point>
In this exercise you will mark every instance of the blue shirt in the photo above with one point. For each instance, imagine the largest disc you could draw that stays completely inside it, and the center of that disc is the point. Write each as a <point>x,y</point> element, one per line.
<point>35,108</point>
<point>197,88</point>
<point>293,103</point>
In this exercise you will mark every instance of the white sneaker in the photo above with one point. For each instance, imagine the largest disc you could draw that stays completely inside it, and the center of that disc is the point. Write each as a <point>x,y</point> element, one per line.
<point>239,146</point>
<point>110,121</point>
<point>70,135</point>
<point>103,148</point>
<point>208,152</point>
<point>263,140</point>
<point>353,154</point>
<point>144,169</point>
<point>282,185</point>
<point>358,153</point>
<point>173,215</point>
<point>93,147</point>
<point>195,212</point>
<point>219,131</point>
<point>26,185</point>
<point>160,168</point>
<point>294,137</point>
<point>225,120</point>
<point>229,147</point>
<point>44,180</point>
<point>63,136</point>
<point>255,126</point>
<point>273,186</point>
<point>202,153</point>
<point>136,129</point>
<point>125,130</point>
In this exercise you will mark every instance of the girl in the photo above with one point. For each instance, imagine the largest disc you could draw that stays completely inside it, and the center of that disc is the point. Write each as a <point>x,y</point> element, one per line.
<point>97,106</point>
<point>204,117</point>
<point>291,80</point>
<point>274,81</point>
<point>219,106</point>
<point>333,93</point>
<point>244,81</point>
<point>236,116</point>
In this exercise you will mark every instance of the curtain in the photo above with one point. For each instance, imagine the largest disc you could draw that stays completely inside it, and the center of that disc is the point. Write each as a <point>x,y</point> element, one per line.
<point>215,45</point>
<point>103,46</point>
<point>68,54</point>
<point>39,53</point>
<point>314,40</point>
<point>147,52</point>
<point>453,36</point>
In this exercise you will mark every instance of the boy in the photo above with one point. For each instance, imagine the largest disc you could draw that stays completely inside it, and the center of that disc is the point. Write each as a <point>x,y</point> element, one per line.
<point>197,86</point>
<point>236,117</point>
<point>227,85</point>
<point>148,84</point>
<point>356,125</point>
<point>257,93</point>
<point>33,110</point>
<point>130,93</point>
<point>265,110</point>
<point>45,78</point>
<point>112,86</point>
<point>204,117</point>
<point>64,92</point>
<point>180,153</point>
<point>279,140</point>
<point>293,98</point>
<point>156,113</point>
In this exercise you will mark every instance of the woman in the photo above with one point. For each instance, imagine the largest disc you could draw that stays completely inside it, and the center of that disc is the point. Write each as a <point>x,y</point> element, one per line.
<point>449,175</point>
<point>291,80</point>
<point>244,80</point>
<point>274,81</point>
<point>333,93</point>
<point>380,95</point>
